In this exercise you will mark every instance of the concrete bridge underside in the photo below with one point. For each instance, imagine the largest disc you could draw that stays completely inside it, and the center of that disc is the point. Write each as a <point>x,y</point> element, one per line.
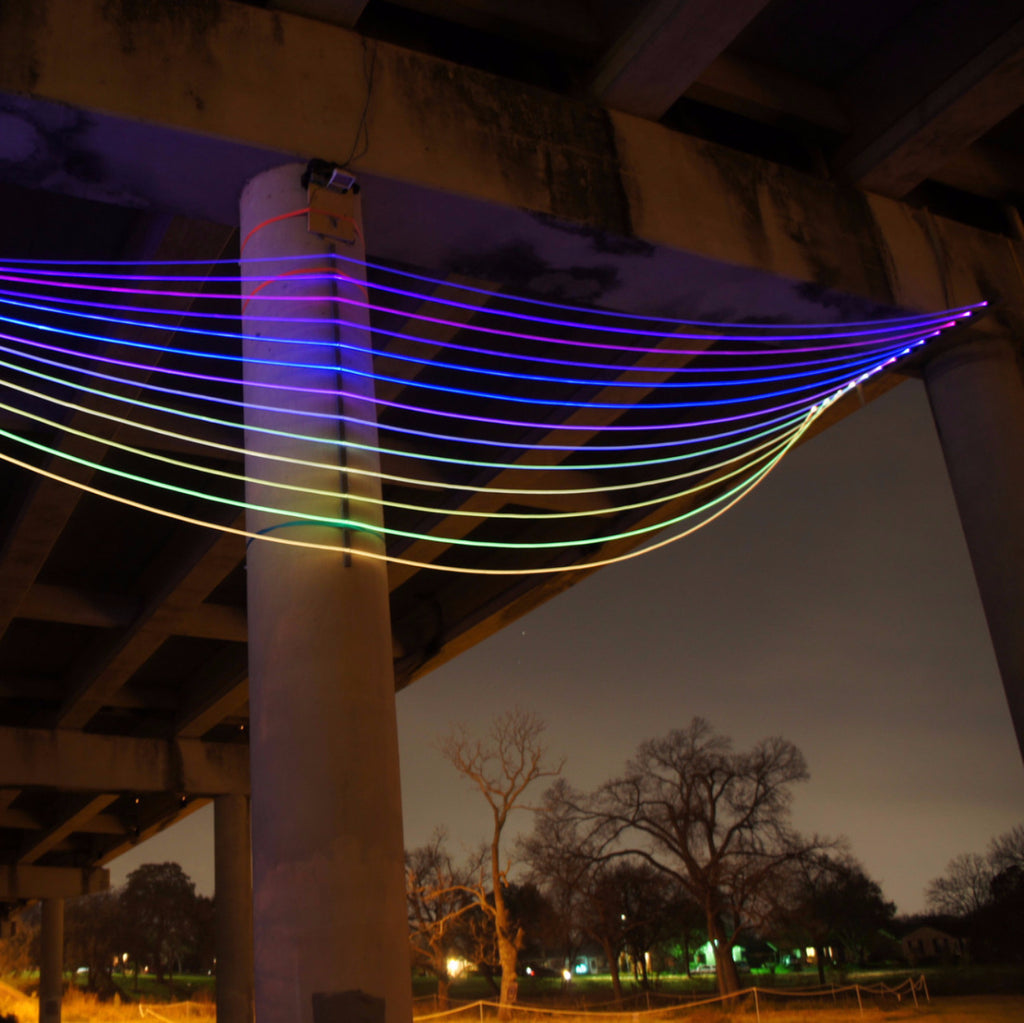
<point>129,130</point>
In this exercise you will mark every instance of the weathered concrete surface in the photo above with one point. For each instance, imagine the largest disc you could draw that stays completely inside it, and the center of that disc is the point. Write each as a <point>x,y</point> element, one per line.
<point>557,175</point>
<point>51,960</point>
<point>100,763</point>
<point>30,882</point>
<point>329,911</point>
<point>232,866</point>
<point>977,398</point>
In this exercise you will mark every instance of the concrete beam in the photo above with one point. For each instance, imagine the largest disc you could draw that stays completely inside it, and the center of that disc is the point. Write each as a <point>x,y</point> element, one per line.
<point>39,845</point>
<point>665,50</point>
<point>335,12</point>
<point>50,504</point>
<point>46,602</point>
<point>456,159</point>
<point>177,597</point>
<point>76,761</point>
<point>894,154</point>
<point>18,883</point>
<point>164,821</point>
<point>101,824</point>
<point>768,95</point>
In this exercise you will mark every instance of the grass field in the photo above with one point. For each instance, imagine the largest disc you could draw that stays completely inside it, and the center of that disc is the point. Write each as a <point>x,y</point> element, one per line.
<point>587,1001</point>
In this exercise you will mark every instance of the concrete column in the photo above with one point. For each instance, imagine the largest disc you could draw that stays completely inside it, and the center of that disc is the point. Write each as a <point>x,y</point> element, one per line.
<point>331,941</point>
<point>233,908</point>
<point>977,399</point>
<point>51,960</point>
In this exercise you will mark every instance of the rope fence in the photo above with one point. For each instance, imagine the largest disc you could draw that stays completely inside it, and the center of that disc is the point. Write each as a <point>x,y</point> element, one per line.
<point>758,996</point>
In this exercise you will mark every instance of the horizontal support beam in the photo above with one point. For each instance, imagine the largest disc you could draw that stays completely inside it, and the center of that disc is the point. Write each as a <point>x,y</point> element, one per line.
<point>76,761</point>
<point>663,52</point>
<point>31,882</point>
<point>456,155</point>
<point>101,824</point>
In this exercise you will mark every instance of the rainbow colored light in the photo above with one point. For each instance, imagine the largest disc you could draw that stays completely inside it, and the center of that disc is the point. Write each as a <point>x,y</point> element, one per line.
<point>521,410</point>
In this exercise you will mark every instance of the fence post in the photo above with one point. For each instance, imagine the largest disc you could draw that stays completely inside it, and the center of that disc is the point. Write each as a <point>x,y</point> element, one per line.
<point>913,991</point>
<point>924,984</point>
<point>757,1007</point>
<point>481,1004</point>
<point>856,987</point>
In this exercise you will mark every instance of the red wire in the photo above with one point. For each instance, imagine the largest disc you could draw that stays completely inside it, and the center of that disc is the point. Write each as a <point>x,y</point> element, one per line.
<point>299,213</point>
<point>306,270</point>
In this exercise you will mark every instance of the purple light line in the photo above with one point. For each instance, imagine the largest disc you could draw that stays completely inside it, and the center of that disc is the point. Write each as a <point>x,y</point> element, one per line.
<point>479,371</point>
<point>807,402</point>
<point>384,353</point>
<point>498,332</point>
<point>437,282</point>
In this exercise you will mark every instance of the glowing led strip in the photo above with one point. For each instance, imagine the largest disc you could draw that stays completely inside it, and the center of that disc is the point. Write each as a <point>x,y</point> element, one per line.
<point>828,382</point>
<point>447,414</point>
<point>344,523</point>
<point>214,421</point>
<point>632,331</point>
<point>734,497</point>
<point>888,340</point>
<point>19,299</point>
<point>877,347</point>
<point>357,471</point>
<point>761,329</point>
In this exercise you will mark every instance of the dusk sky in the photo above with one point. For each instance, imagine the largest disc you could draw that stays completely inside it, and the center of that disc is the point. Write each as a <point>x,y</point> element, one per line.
<point>834,606</point>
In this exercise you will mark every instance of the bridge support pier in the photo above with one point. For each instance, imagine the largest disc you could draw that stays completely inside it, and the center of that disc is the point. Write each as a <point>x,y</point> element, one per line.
<point>233,908</point>
<point>51,960</point>
<point>329,916</point>
<point>977,398</point>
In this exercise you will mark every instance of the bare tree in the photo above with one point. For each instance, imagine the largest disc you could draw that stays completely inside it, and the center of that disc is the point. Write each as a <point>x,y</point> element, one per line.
<point>438,898</point>
<point>503,765</point>
<point>964,888</point>
<point>1007,850</point>
<point>715,820</point>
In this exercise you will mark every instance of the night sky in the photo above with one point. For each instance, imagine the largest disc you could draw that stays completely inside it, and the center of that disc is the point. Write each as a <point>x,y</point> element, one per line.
<point>834,606</point>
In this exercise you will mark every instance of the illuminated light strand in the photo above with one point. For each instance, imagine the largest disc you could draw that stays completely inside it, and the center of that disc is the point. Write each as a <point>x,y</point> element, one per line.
<point>437,282</point>
<point>388,477</point>
<point>702,370</point>
<point>384,353</point>
<point>446,414</point>
<point>519,335</point>
<point>751,463</point>
<point>770,447</point>
<point>734,497</point>
<point>345,523</point>
<point>487,442</point>
<point>828,383</point>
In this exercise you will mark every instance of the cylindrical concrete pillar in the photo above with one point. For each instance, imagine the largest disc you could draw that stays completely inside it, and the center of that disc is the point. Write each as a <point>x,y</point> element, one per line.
<point>330,927</point>
<point>232,868</point>
<point>977,400</point>
<point>51,960</point>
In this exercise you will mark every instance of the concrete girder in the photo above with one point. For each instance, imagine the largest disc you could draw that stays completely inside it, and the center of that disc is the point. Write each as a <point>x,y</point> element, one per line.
<point>335,12</point>
<point>709,224</point>
<point>953,115</point>
<point>214,557</point>
<point>73,606</point>
<point>21,883</point>
<point>100,824</point>
<point>51,504</point>
<point>664,51</point>
<point>49,838</point>
<point>77,761</point>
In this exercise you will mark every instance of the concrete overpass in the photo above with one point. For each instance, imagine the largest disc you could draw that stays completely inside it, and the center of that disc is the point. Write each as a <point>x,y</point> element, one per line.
<point>777,161</point>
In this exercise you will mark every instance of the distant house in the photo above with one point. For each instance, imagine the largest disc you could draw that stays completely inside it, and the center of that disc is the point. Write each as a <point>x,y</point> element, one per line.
<point>929,944</point>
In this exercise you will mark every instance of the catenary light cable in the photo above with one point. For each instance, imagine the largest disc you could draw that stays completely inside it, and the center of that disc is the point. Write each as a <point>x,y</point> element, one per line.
<point>709,467</point>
